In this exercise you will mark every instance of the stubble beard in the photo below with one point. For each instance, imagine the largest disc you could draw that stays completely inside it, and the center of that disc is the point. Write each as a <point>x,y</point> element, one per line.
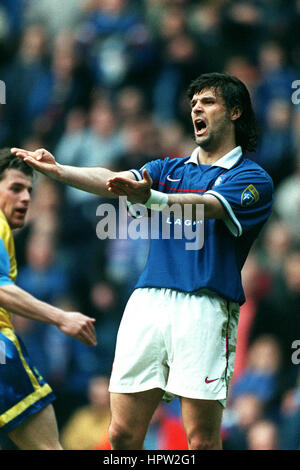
<point>207,143</point>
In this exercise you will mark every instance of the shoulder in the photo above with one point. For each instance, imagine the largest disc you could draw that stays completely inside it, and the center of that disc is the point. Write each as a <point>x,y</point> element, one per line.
<point>174,162</point>
<point>164,163</point>
<point>249,168</point>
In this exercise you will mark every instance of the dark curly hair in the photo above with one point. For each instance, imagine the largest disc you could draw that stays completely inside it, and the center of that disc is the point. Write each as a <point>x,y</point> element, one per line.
<point>235,94</point>
<point>10,161</point>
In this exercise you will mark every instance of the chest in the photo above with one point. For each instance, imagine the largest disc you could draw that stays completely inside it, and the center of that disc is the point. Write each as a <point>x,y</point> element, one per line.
<point>191,178</point>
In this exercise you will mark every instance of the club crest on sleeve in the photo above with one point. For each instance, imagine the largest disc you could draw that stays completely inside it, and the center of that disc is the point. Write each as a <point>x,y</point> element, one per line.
<point>220,179</point>
<point>249,196</point>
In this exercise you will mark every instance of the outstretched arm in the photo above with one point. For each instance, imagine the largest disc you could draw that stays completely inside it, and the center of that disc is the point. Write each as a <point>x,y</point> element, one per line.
<point>89,179</point>
<point>75,324</point>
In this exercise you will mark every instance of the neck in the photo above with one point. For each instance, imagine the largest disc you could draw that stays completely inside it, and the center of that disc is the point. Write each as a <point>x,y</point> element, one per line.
<point>209,157</point>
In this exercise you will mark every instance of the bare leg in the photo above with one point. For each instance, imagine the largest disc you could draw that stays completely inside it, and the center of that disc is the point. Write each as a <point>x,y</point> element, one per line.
<point>38,432</point>
<point>131,415</point>
<point>202,422</point>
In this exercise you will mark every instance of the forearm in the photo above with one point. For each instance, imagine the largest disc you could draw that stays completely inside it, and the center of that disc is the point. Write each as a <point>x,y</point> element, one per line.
<point>190,204</point>
<point>89,179</point>
<point>20,302</point>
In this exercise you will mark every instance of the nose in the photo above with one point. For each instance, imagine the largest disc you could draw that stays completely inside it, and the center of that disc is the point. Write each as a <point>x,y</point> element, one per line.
<point>26,196</point>
<point>197,107</point>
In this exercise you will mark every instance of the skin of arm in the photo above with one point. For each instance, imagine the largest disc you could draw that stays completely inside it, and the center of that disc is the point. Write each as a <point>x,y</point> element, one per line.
<point>89,179</point>
<point>75,324</point>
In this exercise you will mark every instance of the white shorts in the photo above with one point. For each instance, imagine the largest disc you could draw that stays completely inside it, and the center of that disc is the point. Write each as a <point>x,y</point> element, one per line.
<point>181,343</point>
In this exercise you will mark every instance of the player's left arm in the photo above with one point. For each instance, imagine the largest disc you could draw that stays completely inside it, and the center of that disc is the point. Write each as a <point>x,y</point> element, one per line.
<point>140,192</point>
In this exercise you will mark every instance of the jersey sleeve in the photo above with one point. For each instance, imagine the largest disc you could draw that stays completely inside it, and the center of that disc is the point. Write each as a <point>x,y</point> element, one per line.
<point>247,198</point>
<point>4,260</point>
<point>154,169</point>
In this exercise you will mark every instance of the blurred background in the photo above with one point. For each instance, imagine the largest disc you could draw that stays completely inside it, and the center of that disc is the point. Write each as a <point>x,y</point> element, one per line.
<point>103,82</point>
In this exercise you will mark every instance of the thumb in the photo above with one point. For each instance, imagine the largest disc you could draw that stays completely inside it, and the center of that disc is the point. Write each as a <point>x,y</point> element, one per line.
<point>147,177</point>
<point>39,154</point>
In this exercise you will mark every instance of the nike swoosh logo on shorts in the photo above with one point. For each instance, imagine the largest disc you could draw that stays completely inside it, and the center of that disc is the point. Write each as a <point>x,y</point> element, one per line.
<point>172,180</point>
<point>210,381</point>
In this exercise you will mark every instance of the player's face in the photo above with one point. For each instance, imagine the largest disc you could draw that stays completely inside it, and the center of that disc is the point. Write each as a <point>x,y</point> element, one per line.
<point>15,190</point>
<point>210,118</point>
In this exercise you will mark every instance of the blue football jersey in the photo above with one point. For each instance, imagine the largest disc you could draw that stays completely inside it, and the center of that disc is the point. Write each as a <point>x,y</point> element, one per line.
<point>246,192</point>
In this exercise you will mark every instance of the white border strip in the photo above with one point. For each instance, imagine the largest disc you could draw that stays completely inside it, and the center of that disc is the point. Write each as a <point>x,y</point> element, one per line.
<point>136,174</point>
<point>231,221</point>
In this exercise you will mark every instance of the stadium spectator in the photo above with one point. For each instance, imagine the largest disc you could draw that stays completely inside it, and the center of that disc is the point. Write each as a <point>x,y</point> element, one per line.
<point>87,428</point>
<point>243,27</point>
<point>242,412</point>
<point>287,203</point>
<point>54,14</point>
<point>43,275</point>
<point>131,104</point>
<point>80,146</point>
<point>277,134</point>
<point>263,435</point>
<point>66,85</point>
<point>256,284</point>
<point>181,61</point>
<point>276,242</point>
<point>30,64</point>
<point>142,137</point>
<point>261,375</point>
<point>289,430</point>
<point>117,44</point>
<point>44,217</point>
<point>278,313</point>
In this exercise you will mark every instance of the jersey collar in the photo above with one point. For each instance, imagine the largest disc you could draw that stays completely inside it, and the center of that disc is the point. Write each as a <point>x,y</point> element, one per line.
<point>227,161</point>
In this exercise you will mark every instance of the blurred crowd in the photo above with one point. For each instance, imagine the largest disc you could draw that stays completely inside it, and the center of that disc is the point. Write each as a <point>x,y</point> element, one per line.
<point>102,83</point>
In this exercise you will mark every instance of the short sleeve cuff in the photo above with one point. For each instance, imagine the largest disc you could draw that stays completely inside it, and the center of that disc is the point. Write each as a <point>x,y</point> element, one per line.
<point>137,175</point>
<point>231,220</point>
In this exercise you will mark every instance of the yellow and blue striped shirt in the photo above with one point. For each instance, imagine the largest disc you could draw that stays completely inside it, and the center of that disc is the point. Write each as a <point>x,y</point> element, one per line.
<point>8,265</point>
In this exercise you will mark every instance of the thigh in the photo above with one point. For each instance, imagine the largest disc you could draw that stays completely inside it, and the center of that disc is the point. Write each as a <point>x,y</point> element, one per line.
<point>133,411</point>
<point>38,432</point>
<point>202,421</point>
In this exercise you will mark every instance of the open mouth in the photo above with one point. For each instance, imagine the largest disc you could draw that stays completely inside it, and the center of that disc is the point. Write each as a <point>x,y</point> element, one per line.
<point>21,212</point>
<point>200,126</point>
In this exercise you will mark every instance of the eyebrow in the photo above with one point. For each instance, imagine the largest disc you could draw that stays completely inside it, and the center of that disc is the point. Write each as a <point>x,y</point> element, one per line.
<point>21,185</point>
<point>203,98</point>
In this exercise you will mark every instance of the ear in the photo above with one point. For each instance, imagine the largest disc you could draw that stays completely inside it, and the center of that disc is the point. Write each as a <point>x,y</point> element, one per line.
<point>235,113</point>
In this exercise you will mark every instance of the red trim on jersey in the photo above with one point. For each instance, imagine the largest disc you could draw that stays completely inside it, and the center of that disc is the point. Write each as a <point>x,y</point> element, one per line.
<point>181,189</point>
